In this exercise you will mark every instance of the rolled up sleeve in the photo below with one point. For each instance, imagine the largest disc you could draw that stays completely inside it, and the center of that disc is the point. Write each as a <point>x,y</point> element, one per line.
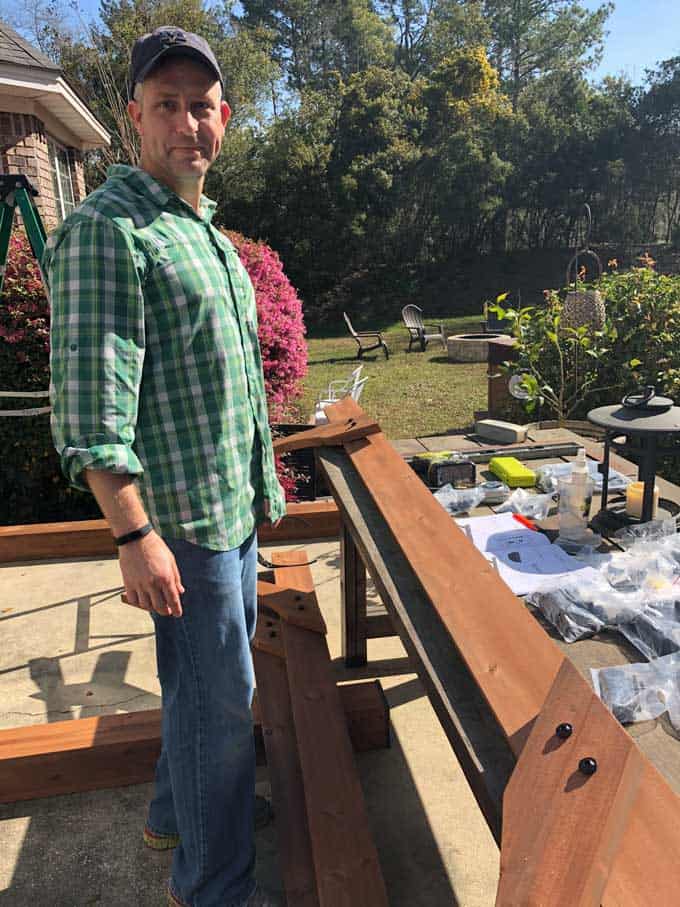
<point>97,347</point>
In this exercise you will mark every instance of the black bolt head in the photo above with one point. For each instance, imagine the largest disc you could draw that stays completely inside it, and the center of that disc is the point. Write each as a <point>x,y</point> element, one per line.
<point>564,730</point>
<point>587,766</point>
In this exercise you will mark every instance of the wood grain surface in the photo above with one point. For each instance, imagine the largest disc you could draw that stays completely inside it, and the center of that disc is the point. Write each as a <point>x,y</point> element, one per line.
<point>345,858</point>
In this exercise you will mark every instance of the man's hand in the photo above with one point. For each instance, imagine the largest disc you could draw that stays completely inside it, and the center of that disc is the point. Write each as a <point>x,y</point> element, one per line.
<point>151,578</point>
<point>267,511</point>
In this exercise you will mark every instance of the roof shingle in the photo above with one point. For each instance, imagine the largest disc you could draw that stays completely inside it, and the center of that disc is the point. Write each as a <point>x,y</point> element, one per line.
<point>13,49</point>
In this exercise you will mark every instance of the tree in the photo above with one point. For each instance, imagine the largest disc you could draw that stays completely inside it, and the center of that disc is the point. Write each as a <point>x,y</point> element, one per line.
<point>532,38</point>
<point>316,40</point>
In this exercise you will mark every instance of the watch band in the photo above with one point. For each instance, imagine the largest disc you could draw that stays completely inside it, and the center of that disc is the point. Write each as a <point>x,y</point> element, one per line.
<point>133,536</point>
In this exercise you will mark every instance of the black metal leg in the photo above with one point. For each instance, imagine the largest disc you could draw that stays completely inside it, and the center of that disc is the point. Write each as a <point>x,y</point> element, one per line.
<point>353,591</point>
<point>605,474</point>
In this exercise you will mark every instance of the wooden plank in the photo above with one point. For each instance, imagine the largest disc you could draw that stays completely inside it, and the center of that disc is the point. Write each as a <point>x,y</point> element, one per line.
<point>353,599</point>
<point>562,828</point>
<point>345,859</point>
<point>92,538</point>
<point>328,435</point>
<point>285,775</point>
<point>461,584</point>
<point>303,520</point>
<point>501,649</point>
<point>66,757</point>
<point>473,733</point>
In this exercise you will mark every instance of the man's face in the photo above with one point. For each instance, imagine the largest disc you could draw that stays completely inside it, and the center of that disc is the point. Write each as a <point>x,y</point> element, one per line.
<point>181,119</point>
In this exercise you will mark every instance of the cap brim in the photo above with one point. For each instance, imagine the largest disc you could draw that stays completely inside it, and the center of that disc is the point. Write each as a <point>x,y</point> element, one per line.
<point>176,51</point>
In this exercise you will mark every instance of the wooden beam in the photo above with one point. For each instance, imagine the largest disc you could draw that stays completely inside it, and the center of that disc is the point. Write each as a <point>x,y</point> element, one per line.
<point>92,538</point>
<point>328,435</point>
<point>66,757</point>
<point>345,858</point>
<point>353,598</point>
<point>511,659</point>
<point>461,584</point>
<point>285,776</point>
<point>562,827</point>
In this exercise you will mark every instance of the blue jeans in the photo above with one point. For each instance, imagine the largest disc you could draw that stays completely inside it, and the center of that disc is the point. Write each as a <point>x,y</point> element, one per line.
<point>205,776</point>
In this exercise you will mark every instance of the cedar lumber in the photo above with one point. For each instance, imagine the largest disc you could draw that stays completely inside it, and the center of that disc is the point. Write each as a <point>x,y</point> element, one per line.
<point>67,757</point>
<point>512,660</point>
<point>561,828</point>
<point>92,538</point>
<point>285,775</point>
<point>345,858</point>
<point>330,435</point>
<point>291,605</point>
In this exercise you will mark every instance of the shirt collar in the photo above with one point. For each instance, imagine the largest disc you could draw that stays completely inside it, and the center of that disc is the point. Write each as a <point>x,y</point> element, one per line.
<point>161,195</point>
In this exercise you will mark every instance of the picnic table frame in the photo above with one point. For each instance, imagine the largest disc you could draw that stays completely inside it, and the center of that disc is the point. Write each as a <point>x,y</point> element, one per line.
<point>500,687</point>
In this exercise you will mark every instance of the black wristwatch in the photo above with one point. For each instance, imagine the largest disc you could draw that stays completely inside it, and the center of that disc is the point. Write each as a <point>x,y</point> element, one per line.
<point>133,536</point>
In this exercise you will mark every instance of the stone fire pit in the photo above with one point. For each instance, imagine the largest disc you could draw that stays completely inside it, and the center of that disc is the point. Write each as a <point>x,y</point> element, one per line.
<point>470,347</point>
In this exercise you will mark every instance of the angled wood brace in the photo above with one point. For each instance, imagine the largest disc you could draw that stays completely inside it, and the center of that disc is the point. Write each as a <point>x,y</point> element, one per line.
<point>335,434</point>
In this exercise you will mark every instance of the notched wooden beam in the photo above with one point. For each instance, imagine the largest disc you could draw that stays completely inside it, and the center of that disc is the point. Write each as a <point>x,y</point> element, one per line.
<point>334,434</point>
<point>294,606</point>
<point>268,636</point>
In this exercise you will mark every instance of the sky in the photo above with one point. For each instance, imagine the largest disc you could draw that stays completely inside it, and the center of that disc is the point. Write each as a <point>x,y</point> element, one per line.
<point>641,33</point>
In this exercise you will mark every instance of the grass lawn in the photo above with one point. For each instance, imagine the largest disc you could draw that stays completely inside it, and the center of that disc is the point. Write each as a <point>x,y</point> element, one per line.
<point>411,394</point>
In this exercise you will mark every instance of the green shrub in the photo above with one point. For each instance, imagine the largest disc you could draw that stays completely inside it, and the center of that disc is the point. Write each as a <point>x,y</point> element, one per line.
<point>568,372</point>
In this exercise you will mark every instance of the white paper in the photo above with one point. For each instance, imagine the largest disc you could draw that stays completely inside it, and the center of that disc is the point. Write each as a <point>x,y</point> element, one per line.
<point>525,559</point>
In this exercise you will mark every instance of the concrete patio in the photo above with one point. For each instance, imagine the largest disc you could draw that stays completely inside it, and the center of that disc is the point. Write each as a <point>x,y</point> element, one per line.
<point>71,649</point>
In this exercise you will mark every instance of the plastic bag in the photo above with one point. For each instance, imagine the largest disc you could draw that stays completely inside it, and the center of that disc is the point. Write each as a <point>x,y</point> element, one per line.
<point>645,532</point>
<point>536,506</point>
<point>640,692</point>
<point>548,475</point>
<point>571,609</point>
<point>459,500</point>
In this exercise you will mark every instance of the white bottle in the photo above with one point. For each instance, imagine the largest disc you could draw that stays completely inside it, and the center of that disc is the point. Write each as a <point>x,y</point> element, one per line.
<point>575,498</point>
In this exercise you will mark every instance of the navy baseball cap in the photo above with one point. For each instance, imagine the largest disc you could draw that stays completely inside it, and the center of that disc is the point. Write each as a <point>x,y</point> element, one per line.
<point>164,42</point>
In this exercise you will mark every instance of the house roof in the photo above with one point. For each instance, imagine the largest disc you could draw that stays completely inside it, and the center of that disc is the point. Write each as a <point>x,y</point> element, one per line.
<point>27,74</point>
<point>13,49</point>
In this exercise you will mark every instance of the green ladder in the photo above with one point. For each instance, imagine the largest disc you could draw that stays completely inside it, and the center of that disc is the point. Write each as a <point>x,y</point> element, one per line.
<point>16,190</point>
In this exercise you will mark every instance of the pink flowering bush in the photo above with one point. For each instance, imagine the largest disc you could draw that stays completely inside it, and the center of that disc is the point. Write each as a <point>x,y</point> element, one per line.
<point>32,488</point>
<point>281,329</point>
<point>24,319</point>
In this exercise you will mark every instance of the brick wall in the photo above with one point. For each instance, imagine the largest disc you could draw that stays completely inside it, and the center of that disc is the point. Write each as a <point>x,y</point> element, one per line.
<point>24,149</point>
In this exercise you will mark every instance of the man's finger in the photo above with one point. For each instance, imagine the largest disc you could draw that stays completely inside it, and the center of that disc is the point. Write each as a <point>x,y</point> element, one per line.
<point>159,602</point>
<point>178,578</point>
<point>172,599</point>
<point>145,602</point>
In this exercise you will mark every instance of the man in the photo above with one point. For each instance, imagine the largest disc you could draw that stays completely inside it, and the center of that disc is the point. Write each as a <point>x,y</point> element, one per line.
<point>159,409</point>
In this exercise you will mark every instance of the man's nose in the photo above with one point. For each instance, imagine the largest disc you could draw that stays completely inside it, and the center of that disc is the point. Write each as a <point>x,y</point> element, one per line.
<point>186,122</point>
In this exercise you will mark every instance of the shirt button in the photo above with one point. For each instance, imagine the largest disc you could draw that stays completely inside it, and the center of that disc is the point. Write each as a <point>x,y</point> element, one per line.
<point>74,347</point>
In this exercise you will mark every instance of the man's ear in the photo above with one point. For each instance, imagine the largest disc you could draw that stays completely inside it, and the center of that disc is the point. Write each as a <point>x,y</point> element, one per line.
<point>135,113</point>
<point>225,110</point>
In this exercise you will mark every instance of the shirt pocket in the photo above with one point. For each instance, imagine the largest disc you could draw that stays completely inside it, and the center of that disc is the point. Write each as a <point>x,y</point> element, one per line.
<point>187,294</point>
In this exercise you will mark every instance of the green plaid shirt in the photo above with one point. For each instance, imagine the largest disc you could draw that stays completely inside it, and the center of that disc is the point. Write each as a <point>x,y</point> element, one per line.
<point>156,368</point>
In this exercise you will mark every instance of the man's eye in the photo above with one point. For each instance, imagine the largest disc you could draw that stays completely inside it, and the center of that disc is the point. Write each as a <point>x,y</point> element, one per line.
<point>167,105</point>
